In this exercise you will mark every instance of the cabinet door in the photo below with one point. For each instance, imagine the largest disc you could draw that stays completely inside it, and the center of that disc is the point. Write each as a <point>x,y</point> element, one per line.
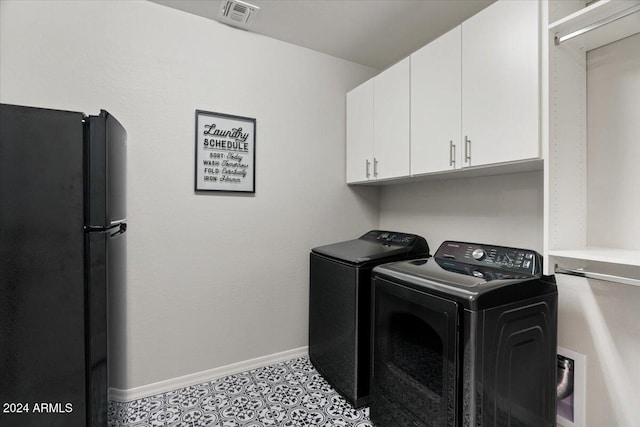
<point>360,133</point>
<point>391,121</point>
<point>500,83</point>
<point>435,105</point>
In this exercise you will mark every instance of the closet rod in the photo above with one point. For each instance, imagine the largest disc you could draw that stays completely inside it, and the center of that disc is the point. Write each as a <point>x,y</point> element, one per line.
<point>598,24</point>
<point>599,276</point>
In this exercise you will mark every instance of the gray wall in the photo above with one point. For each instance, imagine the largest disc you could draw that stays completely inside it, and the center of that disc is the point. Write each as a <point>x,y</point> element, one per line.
<point>501,209</point>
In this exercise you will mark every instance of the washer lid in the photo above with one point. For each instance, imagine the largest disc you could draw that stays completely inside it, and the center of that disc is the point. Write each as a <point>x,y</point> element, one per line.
<point>376,246</point>
<point>476,284</point>
<point>447,273</point>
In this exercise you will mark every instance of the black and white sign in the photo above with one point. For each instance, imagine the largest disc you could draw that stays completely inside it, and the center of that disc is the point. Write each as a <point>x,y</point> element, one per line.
<point>225,152</point>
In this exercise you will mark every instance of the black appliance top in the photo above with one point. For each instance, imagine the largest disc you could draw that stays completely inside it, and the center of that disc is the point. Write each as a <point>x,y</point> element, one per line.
<point>476,275</point>
<point>106,172</point>
<point>376,246</point>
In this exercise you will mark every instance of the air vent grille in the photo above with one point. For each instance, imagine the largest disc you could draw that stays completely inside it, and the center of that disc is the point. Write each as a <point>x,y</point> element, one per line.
<point>237,13</point>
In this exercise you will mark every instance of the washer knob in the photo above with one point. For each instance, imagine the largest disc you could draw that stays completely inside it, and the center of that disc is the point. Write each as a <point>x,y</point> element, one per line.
<point>478,254</point>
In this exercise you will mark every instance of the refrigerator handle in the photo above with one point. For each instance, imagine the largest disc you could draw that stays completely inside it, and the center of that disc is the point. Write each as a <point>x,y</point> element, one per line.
<point>121,229</point>
<point>115,229</point>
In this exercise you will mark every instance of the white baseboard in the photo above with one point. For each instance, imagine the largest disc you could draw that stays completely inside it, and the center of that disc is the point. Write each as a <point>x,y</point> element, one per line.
<point>153,389</point>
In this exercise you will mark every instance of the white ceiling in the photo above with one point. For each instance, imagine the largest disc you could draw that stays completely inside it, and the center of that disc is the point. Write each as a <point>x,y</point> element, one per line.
<point>377,33</point>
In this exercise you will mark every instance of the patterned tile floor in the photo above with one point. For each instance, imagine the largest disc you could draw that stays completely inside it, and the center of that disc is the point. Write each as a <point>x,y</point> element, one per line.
<point>290,393</point>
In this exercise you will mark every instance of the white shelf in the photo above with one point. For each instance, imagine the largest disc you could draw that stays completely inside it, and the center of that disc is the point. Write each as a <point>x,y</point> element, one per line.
<point>593,15</point>
<point>609,255</point>
<point>579,210</point>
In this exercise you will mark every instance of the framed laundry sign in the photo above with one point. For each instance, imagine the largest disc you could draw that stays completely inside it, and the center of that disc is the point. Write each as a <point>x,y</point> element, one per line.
<point>225,152</point>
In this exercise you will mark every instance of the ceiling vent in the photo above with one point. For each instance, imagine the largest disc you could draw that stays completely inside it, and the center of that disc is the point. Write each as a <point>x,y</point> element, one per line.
<point>238,13</point>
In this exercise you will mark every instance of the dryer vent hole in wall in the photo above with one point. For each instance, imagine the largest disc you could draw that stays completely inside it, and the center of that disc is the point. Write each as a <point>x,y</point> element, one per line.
<point>565,387</point>
<point>565,377</point>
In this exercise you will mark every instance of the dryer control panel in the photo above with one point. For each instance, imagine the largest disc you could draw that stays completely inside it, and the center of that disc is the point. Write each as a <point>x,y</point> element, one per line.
<point>390,237</point>
<point>511,259</point>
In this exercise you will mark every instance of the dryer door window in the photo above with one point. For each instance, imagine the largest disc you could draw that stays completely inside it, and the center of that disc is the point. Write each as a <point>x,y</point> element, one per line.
<point>415,358</point>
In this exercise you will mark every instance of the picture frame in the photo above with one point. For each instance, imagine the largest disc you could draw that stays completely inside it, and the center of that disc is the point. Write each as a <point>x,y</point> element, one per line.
<point>225,157</point>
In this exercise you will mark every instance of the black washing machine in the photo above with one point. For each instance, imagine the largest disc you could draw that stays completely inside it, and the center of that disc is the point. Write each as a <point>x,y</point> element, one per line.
<point>466,338</point>
<point>340,306</point>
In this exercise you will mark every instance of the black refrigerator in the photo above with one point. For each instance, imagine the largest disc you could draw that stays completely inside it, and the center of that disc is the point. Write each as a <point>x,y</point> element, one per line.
<point>62,250</point>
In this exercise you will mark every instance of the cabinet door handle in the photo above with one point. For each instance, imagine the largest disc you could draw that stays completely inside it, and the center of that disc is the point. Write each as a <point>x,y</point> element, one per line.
<point>467,149</point>
<point>375,167</point>
<point>367,168</point>
<point>452,154</point>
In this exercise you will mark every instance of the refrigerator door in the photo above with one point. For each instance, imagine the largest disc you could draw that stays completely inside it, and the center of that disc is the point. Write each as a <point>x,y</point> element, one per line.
<point>105,266</point>
<point>42,329</point>
<point>106,172</point>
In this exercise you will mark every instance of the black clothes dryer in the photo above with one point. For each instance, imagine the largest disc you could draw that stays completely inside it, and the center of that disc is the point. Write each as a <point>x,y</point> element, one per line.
<point>340,306</point>
<point>466,338</point>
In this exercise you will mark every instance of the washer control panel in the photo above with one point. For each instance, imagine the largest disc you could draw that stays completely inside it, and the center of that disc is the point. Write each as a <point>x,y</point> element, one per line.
<point>390,238</point>
<point>512,259</point>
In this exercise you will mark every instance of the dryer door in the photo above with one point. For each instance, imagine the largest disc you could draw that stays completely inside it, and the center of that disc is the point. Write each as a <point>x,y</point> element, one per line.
<point>415,353</point>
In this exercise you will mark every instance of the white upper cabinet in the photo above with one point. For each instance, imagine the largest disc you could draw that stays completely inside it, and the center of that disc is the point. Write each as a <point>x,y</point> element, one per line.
<point>360,133</point>
<point>469,99</point>
<point>436,105</point>
<point>391,122</point>
<point>378,127</point>
<point>500,84</point>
